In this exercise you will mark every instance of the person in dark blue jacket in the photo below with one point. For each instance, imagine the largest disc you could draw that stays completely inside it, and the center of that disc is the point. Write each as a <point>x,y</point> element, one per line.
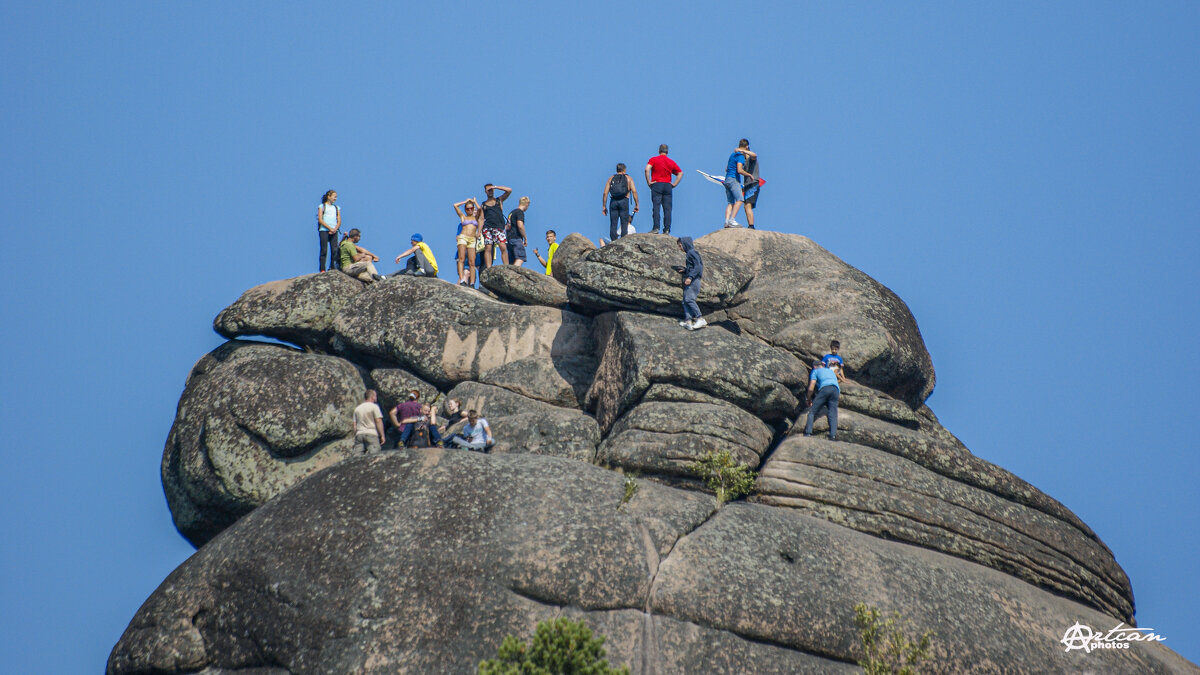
<point>692,271</point>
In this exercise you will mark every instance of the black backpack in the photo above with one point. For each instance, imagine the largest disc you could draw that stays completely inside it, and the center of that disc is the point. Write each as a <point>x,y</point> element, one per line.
<point>618,186</point>
<point>419,438</point>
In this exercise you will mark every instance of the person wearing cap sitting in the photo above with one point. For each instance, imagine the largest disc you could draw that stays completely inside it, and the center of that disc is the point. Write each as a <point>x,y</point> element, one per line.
<point>422,263</point>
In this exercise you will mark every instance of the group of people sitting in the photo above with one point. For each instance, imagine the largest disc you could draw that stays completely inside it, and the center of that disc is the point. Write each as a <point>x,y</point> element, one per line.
<point>417,425</point>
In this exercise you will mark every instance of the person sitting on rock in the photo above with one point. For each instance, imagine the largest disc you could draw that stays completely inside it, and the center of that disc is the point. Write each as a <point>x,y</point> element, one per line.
<point>551,239</point>
<point>453,411</point>
<point>825,381</point>
<point>477,435</point>
<point>692,271</point>
<point>424,432</point>
<point>422,263</point>
<point>405,414</point>
<point>832,360</point>
<point>356,260</point>
<point>367,425</point>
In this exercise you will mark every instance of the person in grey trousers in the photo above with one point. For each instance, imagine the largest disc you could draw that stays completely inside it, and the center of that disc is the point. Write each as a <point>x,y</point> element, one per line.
<point>692,271</point>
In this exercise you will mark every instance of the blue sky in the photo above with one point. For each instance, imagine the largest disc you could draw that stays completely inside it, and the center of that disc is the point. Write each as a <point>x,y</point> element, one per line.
<point>1025,175</point>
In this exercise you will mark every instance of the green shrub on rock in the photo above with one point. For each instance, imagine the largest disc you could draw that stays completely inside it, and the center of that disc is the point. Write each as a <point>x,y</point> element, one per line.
<point>725,477</point>
<point>559,647</point>
<point>889,650</point>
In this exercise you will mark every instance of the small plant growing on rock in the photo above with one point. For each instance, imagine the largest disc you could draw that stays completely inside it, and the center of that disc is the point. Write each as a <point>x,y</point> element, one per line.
<point>631,488</point>
<point>725,477</point>
<point>560,647</point>
<point>888,648</point>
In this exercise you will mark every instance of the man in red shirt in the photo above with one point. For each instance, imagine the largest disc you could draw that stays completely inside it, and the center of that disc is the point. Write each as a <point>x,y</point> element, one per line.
<point>658,176</point>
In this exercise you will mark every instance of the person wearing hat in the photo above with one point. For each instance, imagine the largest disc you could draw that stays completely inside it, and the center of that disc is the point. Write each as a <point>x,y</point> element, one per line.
<point>422,263</point>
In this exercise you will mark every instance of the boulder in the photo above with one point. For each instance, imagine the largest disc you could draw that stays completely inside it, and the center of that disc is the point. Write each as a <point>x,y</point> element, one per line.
<point>394,384</point>
<point>298,310</point>
<point>881,494</point>
<point>446,334</point>
<point>640,350</point>
<point>253,420</point>
<point>422,561</point>
<point>663,437</point>
<point>572,248</point>
<point>634,273</point>
<point>803,296</point>
<point>524,285</point>
<point>523,425</point>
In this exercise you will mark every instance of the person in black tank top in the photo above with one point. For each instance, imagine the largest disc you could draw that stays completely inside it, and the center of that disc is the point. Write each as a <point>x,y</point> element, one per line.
<point>493,224</point>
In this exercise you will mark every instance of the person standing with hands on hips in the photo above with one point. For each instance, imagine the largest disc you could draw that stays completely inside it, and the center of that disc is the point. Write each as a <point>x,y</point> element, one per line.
<point>329,219</point>
<point>659,170</point>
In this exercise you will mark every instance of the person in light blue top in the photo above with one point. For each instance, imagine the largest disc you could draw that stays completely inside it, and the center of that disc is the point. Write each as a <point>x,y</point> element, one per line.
<point>825,381</point>
<point>329,219</point>
<point>734,170</point>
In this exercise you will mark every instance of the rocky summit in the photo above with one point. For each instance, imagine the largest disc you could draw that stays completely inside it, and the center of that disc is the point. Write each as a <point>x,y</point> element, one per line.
<point>315,560</point>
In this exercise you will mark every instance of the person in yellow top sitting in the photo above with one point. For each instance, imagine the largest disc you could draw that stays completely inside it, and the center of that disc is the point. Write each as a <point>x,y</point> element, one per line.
<point>422,263</point>
<point>551,238</point>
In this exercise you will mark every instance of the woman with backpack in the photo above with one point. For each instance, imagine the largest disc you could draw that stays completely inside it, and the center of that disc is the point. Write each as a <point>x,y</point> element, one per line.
<point>614,203</point>
<point>329,219</point>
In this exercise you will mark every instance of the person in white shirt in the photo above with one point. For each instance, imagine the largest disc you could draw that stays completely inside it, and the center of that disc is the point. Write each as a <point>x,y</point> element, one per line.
<point>367,425</point>
<point>477,435</point>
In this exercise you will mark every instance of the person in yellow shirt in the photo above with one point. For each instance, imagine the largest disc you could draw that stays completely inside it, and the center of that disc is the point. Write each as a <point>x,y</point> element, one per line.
<point>422,263</point>
<point>551,238</point>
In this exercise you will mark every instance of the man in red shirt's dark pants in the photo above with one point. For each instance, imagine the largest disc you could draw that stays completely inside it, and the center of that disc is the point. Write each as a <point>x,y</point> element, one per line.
<point>659,171</point>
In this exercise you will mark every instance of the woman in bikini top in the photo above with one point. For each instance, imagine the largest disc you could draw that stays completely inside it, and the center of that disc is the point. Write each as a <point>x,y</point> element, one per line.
<point>466,239</point>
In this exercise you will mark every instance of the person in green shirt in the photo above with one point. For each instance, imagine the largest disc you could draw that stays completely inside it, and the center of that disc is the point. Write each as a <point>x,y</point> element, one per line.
<point>356,260</point>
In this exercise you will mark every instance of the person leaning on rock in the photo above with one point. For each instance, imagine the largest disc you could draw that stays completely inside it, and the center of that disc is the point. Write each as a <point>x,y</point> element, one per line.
<point>825,381</point>
<point>692,271</point>
<point>368,425</point>
<point>356,260</point>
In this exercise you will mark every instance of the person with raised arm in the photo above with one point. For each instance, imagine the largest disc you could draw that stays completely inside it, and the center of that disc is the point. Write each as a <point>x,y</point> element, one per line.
<point>552,240</point>
<point>422,263</point>
<point>493,224</point>
<point>467,239</point>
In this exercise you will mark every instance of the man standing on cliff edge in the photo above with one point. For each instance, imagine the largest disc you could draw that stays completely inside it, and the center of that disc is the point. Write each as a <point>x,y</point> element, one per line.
<point>659,170</point>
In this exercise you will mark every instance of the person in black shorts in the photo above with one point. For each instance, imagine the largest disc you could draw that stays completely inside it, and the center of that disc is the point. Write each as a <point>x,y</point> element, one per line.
<point>493,223</point>
<point>516,233</point>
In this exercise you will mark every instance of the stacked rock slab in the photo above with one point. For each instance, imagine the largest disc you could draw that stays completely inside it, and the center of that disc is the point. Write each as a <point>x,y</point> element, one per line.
<point>422,561</point>
<point>299,310</point>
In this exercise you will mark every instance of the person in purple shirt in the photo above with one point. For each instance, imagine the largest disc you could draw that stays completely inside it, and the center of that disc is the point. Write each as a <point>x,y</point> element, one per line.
<point>825,381</point>
<point>404,415</point>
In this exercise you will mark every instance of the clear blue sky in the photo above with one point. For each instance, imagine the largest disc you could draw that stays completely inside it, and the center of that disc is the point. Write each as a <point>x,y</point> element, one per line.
<point>1025,175</point>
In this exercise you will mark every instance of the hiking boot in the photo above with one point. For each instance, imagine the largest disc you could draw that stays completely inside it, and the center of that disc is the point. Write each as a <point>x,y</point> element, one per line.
<point>698,324</point>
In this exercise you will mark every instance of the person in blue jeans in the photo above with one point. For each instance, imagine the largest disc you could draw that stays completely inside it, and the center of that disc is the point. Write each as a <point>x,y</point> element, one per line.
<point>825,381</point>
<point>734,170</point>
<point>692,271</point>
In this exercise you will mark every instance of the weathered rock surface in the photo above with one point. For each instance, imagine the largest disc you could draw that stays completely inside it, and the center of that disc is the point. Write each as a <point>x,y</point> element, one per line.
<point>448,334</point>
<point>298,310</point>
<point>422,561</point>
<point>524,285</point>
<point>639,350</point>
<point>803,296</point>
<point>523,425</point>
<point>634,273</point>
<point>894,498</point>
<point>394,384</point>
<point>573,248</point>
<point>253,420</point>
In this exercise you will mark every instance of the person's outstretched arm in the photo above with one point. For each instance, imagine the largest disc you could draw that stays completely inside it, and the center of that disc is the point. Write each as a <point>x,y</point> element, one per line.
<point>406,253</point>
<point>507,192</point>
<point>538,253</point>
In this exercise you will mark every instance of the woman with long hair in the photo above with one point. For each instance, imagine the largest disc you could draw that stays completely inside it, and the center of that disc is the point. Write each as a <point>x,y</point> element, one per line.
<point>467,238</point>
<point>329,219</point>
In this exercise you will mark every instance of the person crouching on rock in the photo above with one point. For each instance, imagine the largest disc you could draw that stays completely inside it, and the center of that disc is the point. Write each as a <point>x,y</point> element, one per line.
<point>692,272</point>
<point>356,260</point>
<point>422,263</point>
<point>825,381</point>
<point>477,435</point>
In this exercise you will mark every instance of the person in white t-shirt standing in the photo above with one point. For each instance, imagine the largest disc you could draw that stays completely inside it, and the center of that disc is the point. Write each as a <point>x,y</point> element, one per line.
<point>368,425</point>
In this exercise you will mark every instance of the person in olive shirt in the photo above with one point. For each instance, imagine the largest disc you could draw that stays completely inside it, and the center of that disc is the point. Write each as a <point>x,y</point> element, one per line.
<point>356,260</point>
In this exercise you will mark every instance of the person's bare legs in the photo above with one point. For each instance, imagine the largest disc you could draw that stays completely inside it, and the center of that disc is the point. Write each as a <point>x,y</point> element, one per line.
<point>749,215</point>
<point>737,206</point>
<point>504,253</point>
<point>488,252</point>
<point>474,272</point>
<point>728,210</point>
<point>462,255</point>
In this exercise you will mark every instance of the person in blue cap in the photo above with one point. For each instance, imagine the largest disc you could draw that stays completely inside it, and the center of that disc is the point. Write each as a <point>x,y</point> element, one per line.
<point>422,263</point>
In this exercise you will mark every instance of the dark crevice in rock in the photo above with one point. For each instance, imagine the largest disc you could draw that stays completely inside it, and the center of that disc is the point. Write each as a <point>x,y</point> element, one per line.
<point>302,454</point>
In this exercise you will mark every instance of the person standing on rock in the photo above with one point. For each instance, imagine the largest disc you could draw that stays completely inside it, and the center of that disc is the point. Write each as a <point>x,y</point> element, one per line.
<point>659,170</point>
<point>368,425</point>
<point>476,435</point>
<point>692,271</point>
<point>516,233</point>
<point>734,170</point>
<point>356,260</point>
<point>493,224</point>
<point>329,219</point>
<point>422,263</point>
<point>551,238</point>
<point>614,203</point>
<point>751,187</point>
<point>467,240</point>
<point>824,380</point>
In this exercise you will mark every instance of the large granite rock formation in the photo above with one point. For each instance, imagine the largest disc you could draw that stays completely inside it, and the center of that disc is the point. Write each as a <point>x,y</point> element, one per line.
<point>524,285</point>
<point>423,561</point>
